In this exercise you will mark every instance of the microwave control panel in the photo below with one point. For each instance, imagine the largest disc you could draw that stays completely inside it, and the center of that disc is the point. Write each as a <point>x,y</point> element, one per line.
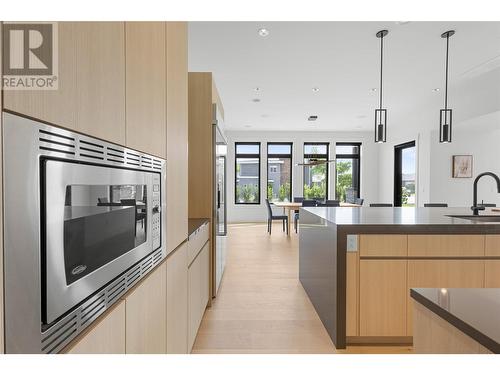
<point>156,212</point>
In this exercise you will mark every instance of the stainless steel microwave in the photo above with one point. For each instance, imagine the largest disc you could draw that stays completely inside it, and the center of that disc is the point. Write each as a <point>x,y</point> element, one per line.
<point>84,220</point>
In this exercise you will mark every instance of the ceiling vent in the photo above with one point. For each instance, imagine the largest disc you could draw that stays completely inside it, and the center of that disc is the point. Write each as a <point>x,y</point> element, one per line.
<point>312,118</point>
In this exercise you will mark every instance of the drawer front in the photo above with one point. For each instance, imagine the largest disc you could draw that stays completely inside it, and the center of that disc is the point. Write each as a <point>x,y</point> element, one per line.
<point>196,241</point>
<point>381,245</point>
<point>431,246</point>
<point>493,246</point>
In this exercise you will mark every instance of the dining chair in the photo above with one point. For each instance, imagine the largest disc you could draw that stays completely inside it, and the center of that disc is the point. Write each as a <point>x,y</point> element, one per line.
<point>139,215</point>
<point>380,204</point>
<point>103,200</point>
<point>359,201</point>
<point>271,217</point>
<point>435,204</point>
<point>296,212</point>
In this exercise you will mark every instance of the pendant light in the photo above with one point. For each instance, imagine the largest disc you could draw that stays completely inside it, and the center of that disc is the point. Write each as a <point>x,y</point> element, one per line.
<point>381,114</point>
<point>445,118</point>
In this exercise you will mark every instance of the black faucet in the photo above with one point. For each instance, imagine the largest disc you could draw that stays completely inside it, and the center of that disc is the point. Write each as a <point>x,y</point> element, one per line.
<point>475,208</point>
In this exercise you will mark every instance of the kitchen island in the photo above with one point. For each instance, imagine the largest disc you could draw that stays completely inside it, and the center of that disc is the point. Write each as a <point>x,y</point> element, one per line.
<point>358,265</point>
<point>456,321</point>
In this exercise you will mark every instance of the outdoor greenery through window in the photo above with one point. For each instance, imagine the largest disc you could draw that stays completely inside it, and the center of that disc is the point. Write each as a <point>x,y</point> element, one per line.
<point>279,172</point>
<point>316,176</point>
<point>247,173</point>
<point>347,171</point>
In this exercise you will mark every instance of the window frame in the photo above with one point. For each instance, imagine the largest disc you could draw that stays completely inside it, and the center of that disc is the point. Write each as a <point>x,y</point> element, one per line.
<point>349,156</point>
<point>284,156</point>
<point>309,156</point>
<point>248,156</point>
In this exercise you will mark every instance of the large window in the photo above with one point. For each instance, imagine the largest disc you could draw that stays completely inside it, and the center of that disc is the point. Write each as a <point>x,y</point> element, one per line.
<point>347,171</point>
<point>404,175</point>
<point>247,173</point>
<point>279,172</point>
<point>316,176</point>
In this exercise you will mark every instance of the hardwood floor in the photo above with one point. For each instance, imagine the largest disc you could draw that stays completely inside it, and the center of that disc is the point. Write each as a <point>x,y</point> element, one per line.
<point>261,306</point>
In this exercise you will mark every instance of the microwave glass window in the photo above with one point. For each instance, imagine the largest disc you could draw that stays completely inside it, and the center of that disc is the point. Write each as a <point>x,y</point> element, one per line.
<point>101,223</point>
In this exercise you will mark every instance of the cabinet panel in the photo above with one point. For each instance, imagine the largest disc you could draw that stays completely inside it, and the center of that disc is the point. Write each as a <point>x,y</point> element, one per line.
<point>1,208</point>
<point>106,336</point>
<point>352,294</point>
<point>382,297</point>
<point>442,274</point>
<point>56,106</point>
<point>146,324</point>
<point>100,78</point>
<point>146,87</point>
<point>177,134</point>
<point>198,292</point>
<point>445,245</point>
<point>177,301</point>
<point>492,274</point>
<point>492,247</point>
<point>383,245</point>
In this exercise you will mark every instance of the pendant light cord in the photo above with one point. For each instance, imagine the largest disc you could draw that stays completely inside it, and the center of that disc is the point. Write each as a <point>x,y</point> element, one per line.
<point>446,82</point>
<point>381,65</point>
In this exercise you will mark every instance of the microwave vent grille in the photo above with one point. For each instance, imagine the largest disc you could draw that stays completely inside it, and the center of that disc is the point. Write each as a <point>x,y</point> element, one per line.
<point>60,334</point>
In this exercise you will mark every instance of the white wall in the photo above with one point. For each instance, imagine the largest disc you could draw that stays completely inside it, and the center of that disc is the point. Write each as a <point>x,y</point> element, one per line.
<point>257,213</point>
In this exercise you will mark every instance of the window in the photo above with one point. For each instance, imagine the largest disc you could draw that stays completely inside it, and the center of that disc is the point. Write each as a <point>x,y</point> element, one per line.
<point>279,172</point>
<point>404,175</point>
<point>316,176</point>
<point>347,171</point>
<point>247,173</point>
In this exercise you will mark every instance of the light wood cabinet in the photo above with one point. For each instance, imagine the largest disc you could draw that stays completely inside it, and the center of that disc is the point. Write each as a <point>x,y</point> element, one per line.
<point>177,301</point>
<point>352,277</point>
<point>492,273</point>
<point>432,246</point>
<point>1,208</point>
<point>492,246</point>
<point>146,87</point>
<point>146,307</point>
<point>452,273</point>
<point>105,336</point>
<point>379,245</point>
<point>177,134</point>
<point>382,297</point>
<point>198,291</point>
<point>91,93</point>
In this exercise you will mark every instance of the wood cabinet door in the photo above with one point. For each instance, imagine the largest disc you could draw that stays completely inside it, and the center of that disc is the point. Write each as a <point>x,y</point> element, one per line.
<point>91,82</point>
<point>198,292</point>
<point>435,273</point>
<point>177,134</point>
<point>492,273</point>
<point>146,305</point>
<point>105,336</point>
<point>382,297</point>
<point>352,288</point>
<point>146,87</point>
<point>177,301</point>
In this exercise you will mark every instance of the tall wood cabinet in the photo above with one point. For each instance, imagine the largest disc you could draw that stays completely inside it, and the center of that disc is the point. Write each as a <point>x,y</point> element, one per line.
<point>177,134</point>
<point>1,208</point>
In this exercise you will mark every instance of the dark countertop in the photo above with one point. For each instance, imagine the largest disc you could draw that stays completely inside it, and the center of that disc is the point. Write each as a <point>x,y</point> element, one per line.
<point>75,212</point>
<point>398,215</point>
<point>194,224</point>
<point>475,312</point>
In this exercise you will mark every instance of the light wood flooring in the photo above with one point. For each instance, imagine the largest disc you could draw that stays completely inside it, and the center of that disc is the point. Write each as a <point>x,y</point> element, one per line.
<point>261,306</point>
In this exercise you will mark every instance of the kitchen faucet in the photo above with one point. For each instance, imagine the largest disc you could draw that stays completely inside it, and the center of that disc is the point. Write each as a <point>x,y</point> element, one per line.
<point>475,208</point>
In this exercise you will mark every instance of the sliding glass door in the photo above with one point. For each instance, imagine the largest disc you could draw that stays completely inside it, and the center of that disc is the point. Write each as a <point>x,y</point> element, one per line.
<point>405,175</point>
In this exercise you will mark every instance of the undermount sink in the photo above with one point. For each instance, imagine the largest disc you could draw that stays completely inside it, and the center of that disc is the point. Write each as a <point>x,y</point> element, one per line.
<point>486,218</point>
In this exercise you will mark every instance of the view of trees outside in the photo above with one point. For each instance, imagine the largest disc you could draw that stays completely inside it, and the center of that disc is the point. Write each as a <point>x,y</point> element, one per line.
<point>247,180</point>
<point>344,178</point>
<point>408,197</point>
<point>315,181</point>
<point>278,179</point>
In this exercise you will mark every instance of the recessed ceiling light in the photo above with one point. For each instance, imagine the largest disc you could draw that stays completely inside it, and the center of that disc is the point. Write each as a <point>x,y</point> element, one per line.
<point>263,32</point>
<point>256,100</point>
<point>436,89</point>
<point>248,126</point>
<point>315,89</point>
<point>402,22</point>
<point>264,116</point>
<point>312,118</point>
<point>374,89</point>
<point>256,89</point>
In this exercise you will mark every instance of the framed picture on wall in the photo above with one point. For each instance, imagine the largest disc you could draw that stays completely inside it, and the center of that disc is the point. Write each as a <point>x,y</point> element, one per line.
<point>462,166</point>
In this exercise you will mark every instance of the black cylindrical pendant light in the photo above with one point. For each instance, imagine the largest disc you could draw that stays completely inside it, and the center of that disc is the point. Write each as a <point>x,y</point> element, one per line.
<point>381,114</point>
<point>445,114</point>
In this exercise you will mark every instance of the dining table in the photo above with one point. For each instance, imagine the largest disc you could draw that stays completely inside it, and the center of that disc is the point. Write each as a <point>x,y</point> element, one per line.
<point>293,206</point>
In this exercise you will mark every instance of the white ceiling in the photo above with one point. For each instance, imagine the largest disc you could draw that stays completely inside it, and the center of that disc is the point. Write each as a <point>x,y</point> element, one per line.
<point>342,59</point>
